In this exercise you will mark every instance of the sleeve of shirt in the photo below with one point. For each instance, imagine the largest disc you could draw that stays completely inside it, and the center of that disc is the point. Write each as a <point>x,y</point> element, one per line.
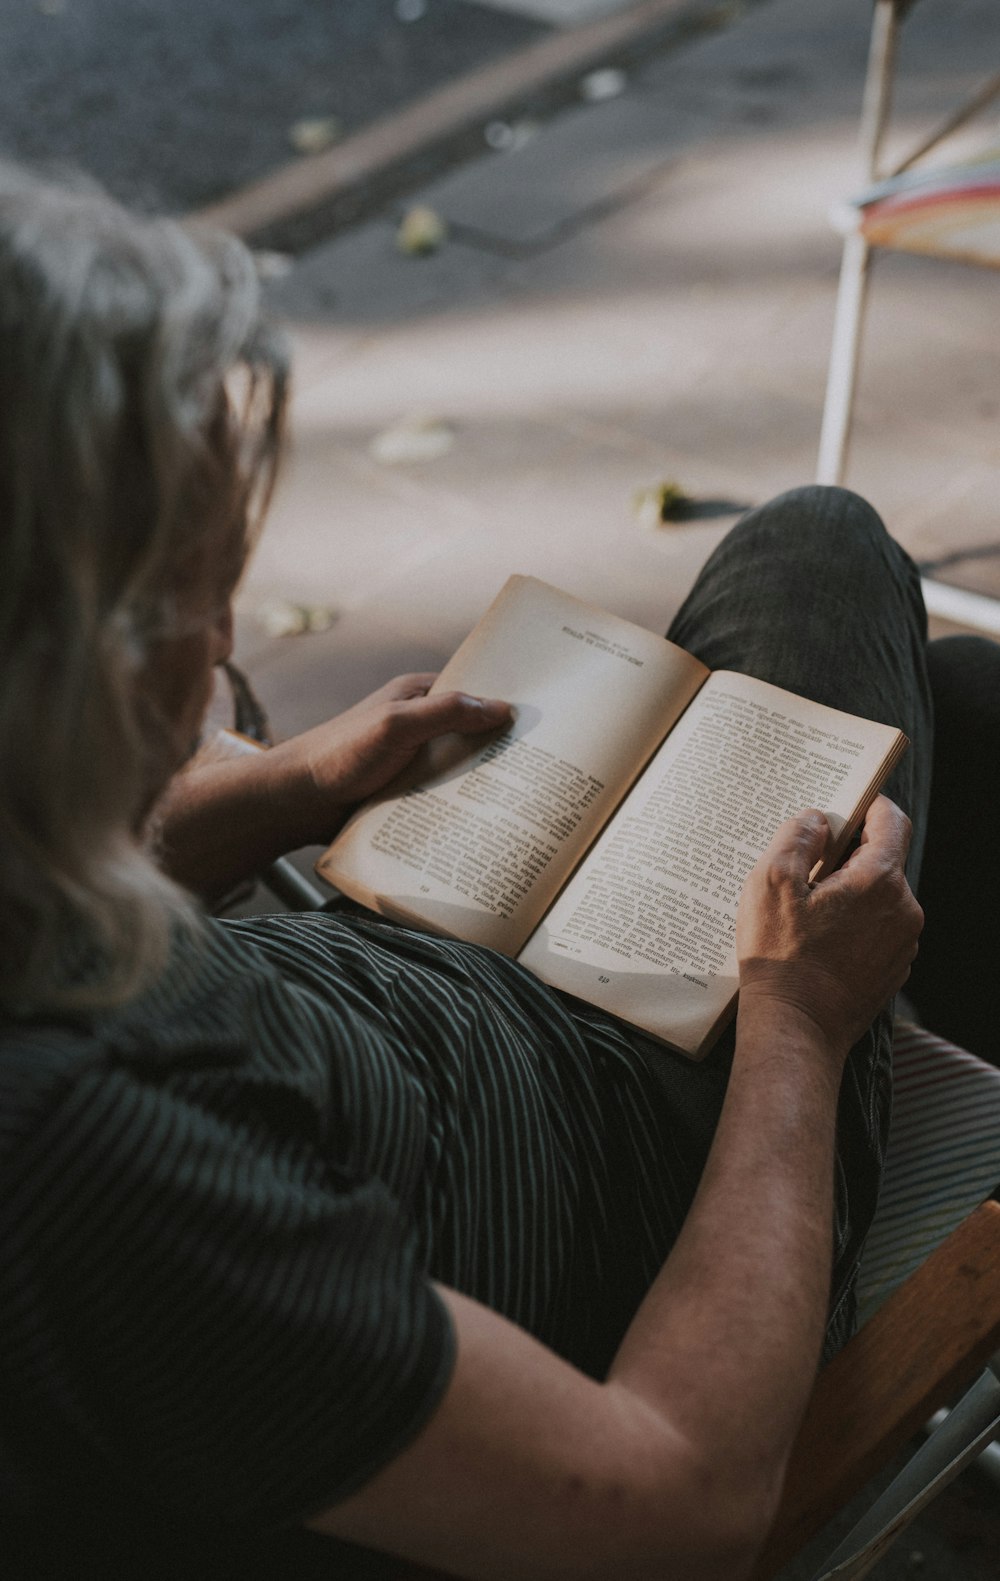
<point>232,1324</point>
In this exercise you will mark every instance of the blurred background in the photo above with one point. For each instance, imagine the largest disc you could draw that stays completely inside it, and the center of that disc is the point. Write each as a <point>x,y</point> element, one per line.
<point>559,278</point>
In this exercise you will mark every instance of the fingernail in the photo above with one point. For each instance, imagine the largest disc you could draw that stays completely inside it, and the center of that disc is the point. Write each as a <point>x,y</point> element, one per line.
<point>493,706</point>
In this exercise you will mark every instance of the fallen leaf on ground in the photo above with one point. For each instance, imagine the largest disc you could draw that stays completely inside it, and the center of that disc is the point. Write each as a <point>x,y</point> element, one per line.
<point>508,136</point>
<point>315,134</point>
<point>417,438</point>
<point>421,231</point>
<point>607,83</point>
<point>281,618</point>
<point>272,265</point>
<point>662,503</point>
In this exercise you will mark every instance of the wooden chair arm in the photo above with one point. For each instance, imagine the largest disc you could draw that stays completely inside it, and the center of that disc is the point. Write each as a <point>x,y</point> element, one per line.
<point>930,1339</point>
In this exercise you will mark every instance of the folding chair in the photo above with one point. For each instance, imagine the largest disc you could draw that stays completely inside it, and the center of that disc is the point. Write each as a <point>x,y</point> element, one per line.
<point>943,211</point>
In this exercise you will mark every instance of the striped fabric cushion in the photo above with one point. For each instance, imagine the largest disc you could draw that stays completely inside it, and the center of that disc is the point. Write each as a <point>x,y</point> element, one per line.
<point>950,211</point>
<point>943,1158</point>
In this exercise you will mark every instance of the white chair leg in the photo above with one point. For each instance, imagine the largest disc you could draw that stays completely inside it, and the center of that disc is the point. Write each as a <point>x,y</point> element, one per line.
<point>961,607</point>
<point>842,378</point>
<point>838,408</point>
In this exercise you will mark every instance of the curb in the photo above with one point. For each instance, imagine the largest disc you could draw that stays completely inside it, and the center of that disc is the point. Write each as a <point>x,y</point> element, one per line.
<point>306,199</point>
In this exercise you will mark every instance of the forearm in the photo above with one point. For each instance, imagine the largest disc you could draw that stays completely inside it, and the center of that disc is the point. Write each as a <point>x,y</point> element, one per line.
<point>672,1466</point>
<point>220,822</point>
<point>727,1342</point>
<point>228,815</point>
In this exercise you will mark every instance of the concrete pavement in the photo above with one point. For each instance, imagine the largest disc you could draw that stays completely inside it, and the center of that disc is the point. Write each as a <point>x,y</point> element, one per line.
<point>643,291</point>
<point>172,106</point>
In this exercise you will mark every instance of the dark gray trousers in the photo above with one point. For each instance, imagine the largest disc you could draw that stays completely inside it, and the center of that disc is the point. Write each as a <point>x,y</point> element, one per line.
<point>810,592</point>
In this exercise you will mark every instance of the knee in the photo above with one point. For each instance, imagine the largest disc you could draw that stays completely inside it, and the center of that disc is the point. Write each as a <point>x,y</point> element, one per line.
<point>829,513</point>
<point>826,530</point>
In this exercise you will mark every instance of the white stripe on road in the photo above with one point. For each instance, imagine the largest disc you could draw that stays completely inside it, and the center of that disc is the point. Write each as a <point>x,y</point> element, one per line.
<point>560,13</point>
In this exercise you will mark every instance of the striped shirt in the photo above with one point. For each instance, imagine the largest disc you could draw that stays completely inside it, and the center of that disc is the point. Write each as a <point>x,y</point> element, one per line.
<point>222,1209</point>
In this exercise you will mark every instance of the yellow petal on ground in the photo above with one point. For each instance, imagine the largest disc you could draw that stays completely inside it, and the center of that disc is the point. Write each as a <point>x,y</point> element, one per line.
<point>315,134</point>
<point>319,617</point>
<point>660,505</point>
<point>415,439</point>
<point>421,231</point>
<point>282,618</point>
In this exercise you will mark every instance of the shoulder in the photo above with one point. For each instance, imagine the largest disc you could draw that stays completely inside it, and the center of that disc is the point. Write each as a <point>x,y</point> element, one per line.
<point>75,1076</point>
<point>192,1247</point>
<point>39,1064</point>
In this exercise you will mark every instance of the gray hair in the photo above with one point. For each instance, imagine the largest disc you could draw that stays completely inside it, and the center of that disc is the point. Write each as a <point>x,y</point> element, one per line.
<point>141,404</point>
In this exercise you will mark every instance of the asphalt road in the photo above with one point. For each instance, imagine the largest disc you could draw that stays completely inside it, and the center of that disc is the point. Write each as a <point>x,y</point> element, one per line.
<point>172,106</point>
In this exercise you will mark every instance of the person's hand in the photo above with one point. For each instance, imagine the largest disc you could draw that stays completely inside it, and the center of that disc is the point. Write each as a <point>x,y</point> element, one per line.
<point>322,772</point>
<point>834,952</point>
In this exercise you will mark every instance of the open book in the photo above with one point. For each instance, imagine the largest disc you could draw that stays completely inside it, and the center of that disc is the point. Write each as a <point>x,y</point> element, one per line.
<point>604,837</point>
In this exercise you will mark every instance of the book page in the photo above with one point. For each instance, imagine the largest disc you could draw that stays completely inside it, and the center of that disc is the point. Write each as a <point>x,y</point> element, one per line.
<point>646,928</point>
<point>478,837</point>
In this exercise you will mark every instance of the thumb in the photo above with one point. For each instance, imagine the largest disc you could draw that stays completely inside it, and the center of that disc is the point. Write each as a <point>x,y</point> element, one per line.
<point>441,713</point>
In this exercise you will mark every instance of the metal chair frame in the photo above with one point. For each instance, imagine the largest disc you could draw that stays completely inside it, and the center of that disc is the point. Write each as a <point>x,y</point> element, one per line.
<point>951,603</point>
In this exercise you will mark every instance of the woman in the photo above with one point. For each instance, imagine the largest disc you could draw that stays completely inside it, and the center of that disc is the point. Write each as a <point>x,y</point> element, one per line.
<point>316,1220</point>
